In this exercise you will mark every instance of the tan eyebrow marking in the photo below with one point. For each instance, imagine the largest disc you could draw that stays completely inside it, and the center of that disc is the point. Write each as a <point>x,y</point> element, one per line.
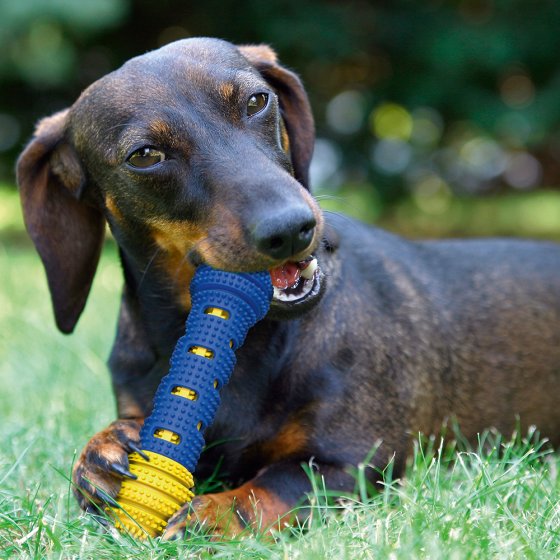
<point>225,90</point>
<point>159,127</point>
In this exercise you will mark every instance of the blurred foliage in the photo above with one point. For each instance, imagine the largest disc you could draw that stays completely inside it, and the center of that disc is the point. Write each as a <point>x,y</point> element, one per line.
<point>519,214</point>
<point>415,98</point>
<point>11,220</point>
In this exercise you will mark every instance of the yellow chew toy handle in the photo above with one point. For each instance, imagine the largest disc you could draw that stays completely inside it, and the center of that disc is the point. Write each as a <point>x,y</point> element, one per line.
<point>224,305</point>
<point>161,488</point>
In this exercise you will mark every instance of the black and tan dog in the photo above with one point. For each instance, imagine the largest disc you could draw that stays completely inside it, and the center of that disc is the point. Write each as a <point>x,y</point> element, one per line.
<point>199,152</point>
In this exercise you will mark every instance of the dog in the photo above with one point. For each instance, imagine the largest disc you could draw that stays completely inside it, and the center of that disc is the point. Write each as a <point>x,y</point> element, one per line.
<point>199,152</point>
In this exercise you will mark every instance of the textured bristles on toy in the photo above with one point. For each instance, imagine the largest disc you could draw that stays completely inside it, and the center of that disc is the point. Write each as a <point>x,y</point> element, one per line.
<point>224,306</point>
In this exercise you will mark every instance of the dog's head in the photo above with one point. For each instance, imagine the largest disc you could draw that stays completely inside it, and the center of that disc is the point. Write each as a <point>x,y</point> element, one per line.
<point>196,152</point>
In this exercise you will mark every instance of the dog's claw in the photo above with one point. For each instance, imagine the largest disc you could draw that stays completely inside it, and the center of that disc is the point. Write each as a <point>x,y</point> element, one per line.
<point>136,448</point>
<point>109,500</point>
<point>103,465</point>
<point>123,471</point>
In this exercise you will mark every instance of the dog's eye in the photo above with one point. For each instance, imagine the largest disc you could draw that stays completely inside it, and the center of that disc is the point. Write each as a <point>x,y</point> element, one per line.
<point>145,157</point>
<point>257,102</point>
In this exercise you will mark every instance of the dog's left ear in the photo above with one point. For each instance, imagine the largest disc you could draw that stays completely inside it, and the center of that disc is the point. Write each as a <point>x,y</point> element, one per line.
<point>294,105</point>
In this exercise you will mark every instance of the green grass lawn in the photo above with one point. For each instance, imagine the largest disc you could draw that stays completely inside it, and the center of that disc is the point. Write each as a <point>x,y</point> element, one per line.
<point>56,394</point>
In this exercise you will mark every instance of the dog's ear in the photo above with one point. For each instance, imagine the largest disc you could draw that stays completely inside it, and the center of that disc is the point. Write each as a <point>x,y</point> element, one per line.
<point>67,232</point>
<point>294,105</point>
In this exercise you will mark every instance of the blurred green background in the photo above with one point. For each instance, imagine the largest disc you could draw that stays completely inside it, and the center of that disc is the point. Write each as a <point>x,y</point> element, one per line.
<point>433,118</point>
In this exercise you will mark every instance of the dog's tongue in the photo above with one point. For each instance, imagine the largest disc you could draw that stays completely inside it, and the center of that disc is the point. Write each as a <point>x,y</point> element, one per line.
<point>285,276</point>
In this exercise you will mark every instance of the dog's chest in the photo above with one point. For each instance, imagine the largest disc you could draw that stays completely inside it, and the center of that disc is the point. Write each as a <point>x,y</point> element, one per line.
<point>256,406</point>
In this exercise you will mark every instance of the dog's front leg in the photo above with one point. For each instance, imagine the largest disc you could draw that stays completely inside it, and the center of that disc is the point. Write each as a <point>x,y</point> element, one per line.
<point>268,502</point>
<point>136,372</point>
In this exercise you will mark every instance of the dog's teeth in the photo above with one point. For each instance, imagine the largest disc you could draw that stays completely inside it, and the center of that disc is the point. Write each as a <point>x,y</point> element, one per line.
<point>303,287</point>
<point>309,270</point>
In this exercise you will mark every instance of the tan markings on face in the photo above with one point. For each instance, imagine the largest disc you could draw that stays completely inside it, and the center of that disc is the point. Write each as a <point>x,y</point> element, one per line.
<point>160,129</point>
<point>225,246</point>
<point>175,240</point>
<point>284,137</point>
<point>111,205</point>
<point>226,91</point>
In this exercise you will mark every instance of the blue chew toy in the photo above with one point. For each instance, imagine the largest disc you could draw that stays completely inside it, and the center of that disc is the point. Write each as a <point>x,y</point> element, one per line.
<point>224,306</point>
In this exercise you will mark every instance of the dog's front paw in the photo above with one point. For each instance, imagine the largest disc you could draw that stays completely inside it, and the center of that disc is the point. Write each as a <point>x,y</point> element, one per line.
<point>103,464</point>
<point>219,514</point>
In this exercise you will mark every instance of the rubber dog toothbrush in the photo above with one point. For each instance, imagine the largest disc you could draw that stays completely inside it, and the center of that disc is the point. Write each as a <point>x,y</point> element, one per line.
<point>224,306</point>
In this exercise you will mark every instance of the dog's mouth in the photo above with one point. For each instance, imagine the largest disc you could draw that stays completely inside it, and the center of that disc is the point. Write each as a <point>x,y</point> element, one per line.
<point>296,282</point>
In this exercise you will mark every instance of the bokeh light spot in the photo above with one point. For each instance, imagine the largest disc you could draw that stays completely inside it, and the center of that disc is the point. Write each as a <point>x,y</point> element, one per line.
<point>391,121</point>
<point>484,157</point>
<point>523,171</point>
<point>427,127</point>
<point>345,112</point>
<point>391,156</point>
<point>325,163</point>
<point>517,90</point>
<point>432,195</point>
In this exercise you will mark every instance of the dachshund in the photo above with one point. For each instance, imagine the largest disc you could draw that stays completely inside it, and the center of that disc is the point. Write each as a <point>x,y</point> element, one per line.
<point>199,152</point>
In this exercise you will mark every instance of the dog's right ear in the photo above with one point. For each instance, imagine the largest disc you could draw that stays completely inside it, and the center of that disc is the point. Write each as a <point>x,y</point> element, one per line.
<point>67,232</point>
<point>294,105</point>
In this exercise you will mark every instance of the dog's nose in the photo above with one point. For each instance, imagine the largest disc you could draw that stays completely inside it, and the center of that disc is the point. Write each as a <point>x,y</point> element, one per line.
<point>286,233</point>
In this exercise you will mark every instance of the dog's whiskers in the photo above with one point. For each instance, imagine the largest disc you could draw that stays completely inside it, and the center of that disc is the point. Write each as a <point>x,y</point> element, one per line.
<point>148,265</point>
<point>343,202</point>
<point>329,197</point>
<point>347,219</point>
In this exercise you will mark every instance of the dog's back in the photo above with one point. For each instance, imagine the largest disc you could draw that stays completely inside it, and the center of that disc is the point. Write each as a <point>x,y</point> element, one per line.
<point>503,304</point>
<point>465,330</point>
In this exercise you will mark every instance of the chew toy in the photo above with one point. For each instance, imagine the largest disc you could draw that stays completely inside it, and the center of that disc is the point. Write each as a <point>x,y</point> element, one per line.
<point>224,306</point>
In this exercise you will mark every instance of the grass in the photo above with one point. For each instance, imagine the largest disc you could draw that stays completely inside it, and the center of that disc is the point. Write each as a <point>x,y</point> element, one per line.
<point>501,500</point>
